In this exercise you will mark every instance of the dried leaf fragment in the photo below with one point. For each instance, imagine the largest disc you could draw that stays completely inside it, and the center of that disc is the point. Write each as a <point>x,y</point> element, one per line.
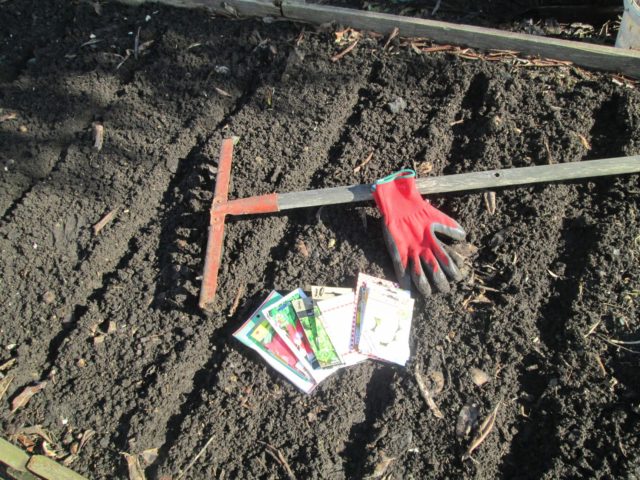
<point>8,116</point>
<point>490,202</point>
<point>133,464</point>
<point>39,431</point>
<point>98,136</point>
<point>483,432</point>
<point>236,301</point>
<point>427,395</point>
<point>280,458</point>
<point>105,220</point>
<point>301,248</point>
<point>467,420</point>
<point>7,365</point>
<point>364,162</point>
<point>48,450</point>
<point>149,455</point>
<point>222,92</point>
<point>341,54</point>
<point>585,143</point>
<point>424,168</point>
<point>4,385</point>
<point>86,436</point>
<point>394,33</point>
<point>479,377</point>
<point>23,397</point>
<point>382,466</point>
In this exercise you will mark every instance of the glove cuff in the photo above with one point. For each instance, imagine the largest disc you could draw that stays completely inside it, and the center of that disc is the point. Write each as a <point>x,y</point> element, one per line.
<point>397,194</point>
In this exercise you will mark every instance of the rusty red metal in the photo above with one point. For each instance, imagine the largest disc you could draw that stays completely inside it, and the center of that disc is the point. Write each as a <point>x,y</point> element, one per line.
<point>216,226</point>
<point>220,208</point>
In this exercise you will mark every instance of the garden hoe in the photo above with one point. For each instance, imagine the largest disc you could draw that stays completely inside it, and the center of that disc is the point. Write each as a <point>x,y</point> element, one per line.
<point>277,202</point>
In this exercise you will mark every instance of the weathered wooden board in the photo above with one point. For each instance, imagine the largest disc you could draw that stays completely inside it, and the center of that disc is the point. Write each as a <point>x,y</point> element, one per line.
<point>243,8</point>
<point>13,456</point>
<point>51,470</point>
<point>600,57</point>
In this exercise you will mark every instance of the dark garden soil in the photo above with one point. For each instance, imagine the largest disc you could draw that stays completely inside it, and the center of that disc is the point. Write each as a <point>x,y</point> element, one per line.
<point>110,320</point>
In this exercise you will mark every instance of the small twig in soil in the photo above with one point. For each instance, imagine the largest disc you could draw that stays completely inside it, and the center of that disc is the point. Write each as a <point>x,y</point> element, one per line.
<point>4,385</point>
<point>592,329</point>
<point>490,201</point>
<point>338,56</point>
<point>600,364</point>
<point>618,345</point>
<point>236,301</point>
<point>436,8</point>
<point>136,44</point>
<point>104,221</point>
<point>426,395</point>
<point>364,162</point>
<point>25,395</point>
<point>133,465</point>
<point>8,364</point>
<point>195,459</point>
<point>394,33</point>
<point>8,116</point>
<point>483,432</point>
<point>278,457</point>
<point>222,92</point>
<point>622,342</point>
<point>98,136</point>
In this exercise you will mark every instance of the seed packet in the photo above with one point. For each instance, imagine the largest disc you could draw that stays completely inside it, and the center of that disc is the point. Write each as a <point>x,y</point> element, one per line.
<point>258,334</point>
<point>284,320</point>
<point>337,318</point>
<point>363,281</point>
<point>386,323</point>
<point>310,318</point>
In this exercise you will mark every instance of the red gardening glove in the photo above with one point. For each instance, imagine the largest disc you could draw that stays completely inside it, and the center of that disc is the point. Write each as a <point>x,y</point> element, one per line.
<point>410,224</point>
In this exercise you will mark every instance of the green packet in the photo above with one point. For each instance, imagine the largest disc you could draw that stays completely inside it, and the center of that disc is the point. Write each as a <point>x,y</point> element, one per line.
<point>311,320</point>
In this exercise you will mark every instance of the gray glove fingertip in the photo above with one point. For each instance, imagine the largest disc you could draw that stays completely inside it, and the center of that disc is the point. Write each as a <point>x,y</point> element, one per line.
<point>457,233</point>
<point>420,280</point>
<point>435,273</point>
<point>447,264</point>
<point>403,276</point>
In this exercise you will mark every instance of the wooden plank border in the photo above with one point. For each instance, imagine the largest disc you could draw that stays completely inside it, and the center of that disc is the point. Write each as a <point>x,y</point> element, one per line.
<point>588,55</point>
<point>624,61</point>
<point>232,8</point>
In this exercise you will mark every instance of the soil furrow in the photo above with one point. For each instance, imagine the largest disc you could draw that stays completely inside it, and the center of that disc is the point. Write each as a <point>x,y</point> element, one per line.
<point>259,242</point>
<point>126,176</point>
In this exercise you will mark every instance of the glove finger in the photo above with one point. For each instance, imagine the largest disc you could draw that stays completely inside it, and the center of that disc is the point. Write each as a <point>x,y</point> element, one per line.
<point>446,263</point>
<point>419,278</point>
<point>455,231</point>
<point>435,273</point>
<point>402,273</point>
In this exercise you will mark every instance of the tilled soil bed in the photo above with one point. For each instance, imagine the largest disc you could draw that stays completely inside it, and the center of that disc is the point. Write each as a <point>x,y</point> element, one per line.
<point>110,320</point>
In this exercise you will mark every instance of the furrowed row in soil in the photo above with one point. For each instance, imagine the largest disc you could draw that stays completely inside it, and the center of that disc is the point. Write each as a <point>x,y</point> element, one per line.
<point>136,424</point>
<point>32,84</point>
<point>310,104</point>
<point>126,174</point>
<point>488,140</point>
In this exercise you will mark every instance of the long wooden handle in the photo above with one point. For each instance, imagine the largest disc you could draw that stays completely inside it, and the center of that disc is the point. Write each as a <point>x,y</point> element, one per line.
<point>470,181</point>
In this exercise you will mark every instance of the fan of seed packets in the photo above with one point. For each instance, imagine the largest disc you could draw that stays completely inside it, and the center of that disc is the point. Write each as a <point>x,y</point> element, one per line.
<point>306,339</point>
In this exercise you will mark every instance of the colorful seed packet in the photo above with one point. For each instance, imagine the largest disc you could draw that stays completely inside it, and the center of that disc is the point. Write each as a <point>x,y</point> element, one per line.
<point>363,281</point>
<point>337,318</point>
<point>258,334</point>
<point>284,320</point>
<point>310,318</point>
<point>385,323</point>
